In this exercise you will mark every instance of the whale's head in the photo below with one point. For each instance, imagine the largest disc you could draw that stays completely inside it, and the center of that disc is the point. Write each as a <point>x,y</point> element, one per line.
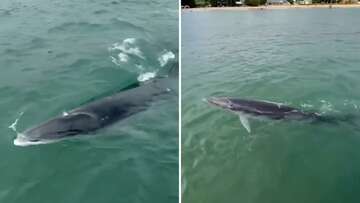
<point>58,128</point>
<point>223,102</point>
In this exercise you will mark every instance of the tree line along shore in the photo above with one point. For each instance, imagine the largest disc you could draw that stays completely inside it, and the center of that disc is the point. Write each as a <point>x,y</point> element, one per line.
<point>273,3</point>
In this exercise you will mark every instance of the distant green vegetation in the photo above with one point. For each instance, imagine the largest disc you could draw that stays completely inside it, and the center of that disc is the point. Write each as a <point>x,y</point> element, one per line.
<point>326,1</point>
<point>190,3</point>
<point>255,2</point>
<point>214,3</point>
<point>204,3</point>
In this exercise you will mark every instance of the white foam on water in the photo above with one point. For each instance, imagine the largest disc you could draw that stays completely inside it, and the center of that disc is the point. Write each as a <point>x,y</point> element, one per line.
<point>65,113</point>
<point>134,51</point>
<point>326,107</point>
<point>114,60</point>
<point>351,103</point>
<point>123,57</point>
<point>146,76</point>
<point>127,48</point>
<point>166,57</point>
<point>14,124</point>
<point>129,40</point>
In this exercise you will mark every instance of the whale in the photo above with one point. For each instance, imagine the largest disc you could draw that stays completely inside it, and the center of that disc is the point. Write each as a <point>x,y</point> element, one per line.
<point>260,109</point>
<point>98,114</point>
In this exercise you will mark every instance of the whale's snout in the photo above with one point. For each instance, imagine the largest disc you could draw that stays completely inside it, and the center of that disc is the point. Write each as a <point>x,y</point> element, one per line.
<point>23,140</point>
<point>58,128</point>
<point>222,102</point>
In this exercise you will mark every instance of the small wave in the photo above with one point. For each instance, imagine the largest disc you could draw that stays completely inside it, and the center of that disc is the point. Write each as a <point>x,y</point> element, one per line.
<point>5,12</point>
<point>139,67</point>
<point>307,105</point>
<point>75,27</point>
<point>102,11</point>
<point>146,76</point>
<point>166,57</point>
<point>351,103</point>
<point>126,25</point>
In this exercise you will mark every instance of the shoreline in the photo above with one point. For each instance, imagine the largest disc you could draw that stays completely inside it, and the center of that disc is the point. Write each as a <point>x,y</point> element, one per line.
<point>273,7</point>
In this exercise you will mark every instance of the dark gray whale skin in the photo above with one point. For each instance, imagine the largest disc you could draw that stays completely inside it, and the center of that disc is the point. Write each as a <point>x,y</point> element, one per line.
<point>101,113</point>
<point>264,108</point>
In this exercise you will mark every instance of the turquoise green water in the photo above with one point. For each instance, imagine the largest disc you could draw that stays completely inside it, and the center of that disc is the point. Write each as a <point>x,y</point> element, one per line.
<point>306,58</point>
<point>57,55</point>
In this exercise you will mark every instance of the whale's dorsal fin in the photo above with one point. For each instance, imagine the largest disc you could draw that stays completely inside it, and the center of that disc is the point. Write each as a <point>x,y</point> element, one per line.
<point>245,122</point>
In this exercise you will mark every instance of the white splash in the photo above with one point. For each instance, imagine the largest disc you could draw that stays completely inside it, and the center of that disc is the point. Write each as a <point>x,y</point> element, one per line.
<point>114,60</point>
<point>123,57</point>
<point>133,50</point>
<point>351,103</point>
<point>65,113</point>
<point>127,48</point>
<point>166,57</point>
<point>129,40</point>
<point>14,124</point>
<point>326,106</point>
<point>146,76</point>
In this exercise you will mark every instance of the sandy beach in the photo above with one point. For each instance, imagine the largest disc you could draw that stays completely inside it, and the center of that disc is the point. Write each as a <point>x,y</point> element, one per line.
<point>244,8</point>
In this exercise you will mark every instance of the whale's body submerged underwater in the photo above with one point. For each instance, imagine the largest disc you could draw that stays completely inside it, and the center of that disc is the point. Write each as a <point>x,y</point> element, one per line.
<point>265,109</point>
<point>98,114</point>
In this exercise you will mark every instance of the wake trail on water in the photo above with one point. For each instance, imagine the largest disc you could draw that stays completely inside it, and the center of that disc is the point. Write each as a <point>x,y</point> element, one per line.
<point>334,114</point>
